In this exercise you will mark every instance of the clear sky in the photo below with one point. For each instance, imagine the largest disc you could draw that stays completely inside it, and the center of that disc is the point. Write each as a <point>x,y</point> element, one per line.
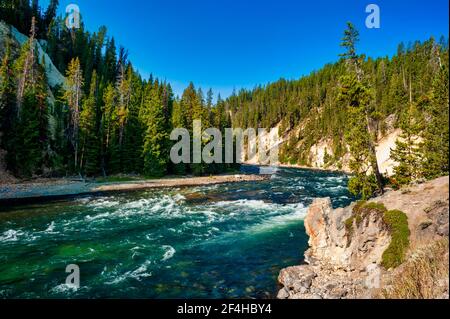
<point>226,44</point>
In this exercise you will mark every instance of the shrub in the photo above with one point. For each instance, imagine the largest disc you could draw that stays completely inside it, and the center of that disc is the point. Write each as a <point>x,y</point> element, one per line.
<point>362,185</point>
<point>394,255</point>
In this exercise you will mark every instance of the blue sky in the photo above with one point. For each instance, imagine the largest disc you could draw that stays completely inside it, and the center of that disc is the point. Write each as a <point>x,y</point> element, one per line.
<point>226,44</point>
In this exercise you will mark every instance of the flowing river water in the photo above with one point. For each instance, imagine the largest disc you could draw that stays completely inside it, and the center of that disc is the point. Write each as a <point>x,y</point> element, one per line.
<point>222,241</point>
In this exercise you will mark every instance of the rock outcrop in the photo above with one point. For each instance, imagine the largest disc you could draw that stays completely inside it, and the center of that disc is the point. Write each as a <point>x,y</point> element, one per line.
<point>9,34</point>
<point>54,77</point>
<point>317,153</point>
<point>347,264</point>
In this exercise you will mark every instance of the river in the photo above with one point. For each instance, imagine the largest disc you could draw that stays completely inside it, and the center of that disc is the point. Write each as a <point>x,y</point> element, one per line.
<point>222,241</point>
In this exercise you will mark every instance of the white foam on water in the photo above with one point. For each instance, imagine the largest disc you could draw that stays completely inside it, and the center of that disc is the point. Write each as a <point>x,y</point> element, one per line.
<point>15,235</point>
<point>166,206</point>
<point>11,235</point>
<point>251,206</point>
<point>142,271</point>
<point>50,228</point>
<point>298,213</point>
<point>179,198</point>
<point>99,216</point>
<point>246,203</point>
<point>335,178</point>
<point>105,202</point>
<point>138,274</point>
<point>169,252</point>
<point>64,289</point>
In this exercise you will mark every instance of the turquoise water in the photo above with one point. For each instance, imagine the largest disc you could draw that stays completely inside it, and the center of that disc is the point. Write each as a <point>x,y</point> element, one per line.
<point>226,241</point>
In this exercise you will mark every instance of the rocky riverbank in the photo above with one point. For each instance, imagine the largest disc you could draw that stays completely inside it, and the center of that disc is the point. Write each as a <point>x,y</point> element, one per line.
<point>60,188</point>
<point>347,256</point>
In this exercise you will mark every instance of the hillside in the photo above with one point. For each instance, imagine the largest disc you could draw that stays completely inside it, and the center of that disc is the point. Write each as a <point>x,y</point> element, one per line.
<point>313,121</point>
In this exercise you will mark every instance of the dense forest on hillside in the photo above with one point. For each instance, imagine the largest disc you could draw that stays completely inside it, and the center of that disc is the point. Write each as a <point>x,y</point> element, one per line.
<point>395,82</point>
<point>410,90</point>
<point>106,119</point>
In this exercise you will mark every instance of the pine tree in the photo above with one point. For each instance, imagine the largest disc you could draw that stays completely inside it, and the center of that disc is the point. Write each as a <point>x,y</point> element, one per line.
<point>26,66</point>
<point>357,96</point>
<point>50,13</point>
<point>155,151</point>
<point>28,122</point>
<point>110,157</point>
<point>110,62</point>
<point>73,96</point>
<point>7,92</point>
<point>26,157</point>
<point>90,150</point>
<point>436,135</point>
<point>123,88</point>
<point>133,134</point>
<point>178,120</point>
<point>407,152</point>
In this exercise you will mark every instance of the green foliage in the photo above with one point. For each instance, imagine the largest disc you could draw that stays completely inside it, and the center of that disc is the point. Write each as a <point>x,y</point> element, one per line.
<point>407,152</point>
<point>362,185</point>
<point>26,151</point>
<point>396,223</point>
<point>155,151</point>
<point>356,96</point>
<point>7,91</point>
<point>394,255</point>
<point>436,144</point>
<point>90,146</point>
<point>327,158</point>
<point>24,117</point>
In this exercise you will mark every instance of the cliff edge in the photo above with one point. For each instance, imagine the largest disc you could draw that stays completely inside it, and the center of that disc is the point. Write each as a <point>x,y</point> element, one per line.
<point>394,246</point>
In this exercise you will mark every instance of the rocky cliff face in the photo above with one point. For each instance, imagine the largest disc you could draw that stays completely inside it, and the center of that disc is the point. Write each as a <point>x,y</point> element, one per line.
<point>332,243</point>
<point>317,152</point>
<point>347,264</point>
<point>54,78</point>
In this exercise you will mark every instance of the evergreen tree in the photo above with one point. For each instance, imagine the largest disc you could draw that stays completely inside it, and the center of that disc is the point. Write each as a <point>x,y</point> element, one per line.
<point>25,158</point>
<point>50,13</point>
<point>73,96</point>
<point>28,122</point>
<point>134,129</point>
<point>155,151</point>
<point>90,150</point>
<point>123,88</point>
<point>407,152</point>
<point>26,66</point>
<point>7,92</point>
<point>110,62</point>
<point>178,120</point>
<point>436,135</point>
<point>357,96</point>
<point>110,157</point>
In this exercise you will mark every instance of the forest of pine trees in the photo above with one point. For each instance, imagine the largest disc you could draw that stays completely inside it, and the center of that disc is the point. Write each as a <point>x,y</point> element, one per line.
<point>349,103</point>
<point>106,119</point>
